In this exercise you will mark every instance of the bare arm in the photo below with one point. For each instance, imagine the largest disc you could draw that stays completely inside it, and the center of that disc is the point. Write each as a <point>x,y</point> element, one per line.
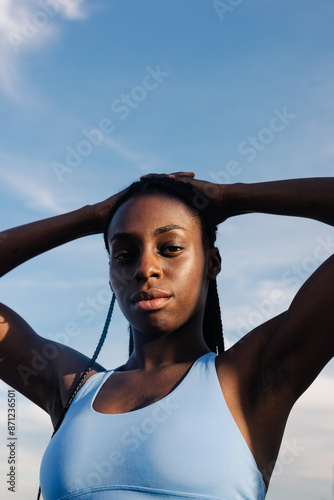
<point>21,348</point>
<point>22,243</point>
<point>311,198</point>
<point>303,341</point>
<point>293,352</point>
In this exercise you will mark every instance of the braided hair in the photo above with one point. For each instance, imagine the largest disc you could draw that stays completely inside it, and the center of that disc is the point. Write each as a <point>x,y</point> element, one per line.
<point>204,212</point>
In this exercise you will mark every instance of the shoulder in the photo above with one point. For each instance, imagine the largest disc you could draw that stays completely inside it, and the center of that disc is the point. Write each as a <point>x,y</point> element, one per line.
<point>44,371</point>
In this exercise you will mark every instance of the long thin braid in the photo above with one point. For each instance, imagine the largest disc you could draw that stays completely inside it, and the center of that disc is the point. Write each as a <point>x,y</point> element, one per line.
<point>86,371</point>
<point>219,324</point>
<point>131,343</point>
<point>212,323</point>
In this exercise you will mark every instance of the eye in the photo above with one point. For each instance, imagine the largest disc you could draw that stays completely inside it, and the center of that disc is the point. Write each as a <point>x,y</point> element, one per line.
<point>171,250</point>
<point>123,255</point>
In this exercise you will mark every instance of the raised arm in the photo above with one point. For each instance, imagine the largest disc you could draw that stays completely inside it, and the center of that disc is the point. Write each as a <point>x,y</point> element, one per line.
<point>21,348</point>
<point>294,349</point>
<point>300,342</point>
<point>22,243</point>
<point>311,198</point>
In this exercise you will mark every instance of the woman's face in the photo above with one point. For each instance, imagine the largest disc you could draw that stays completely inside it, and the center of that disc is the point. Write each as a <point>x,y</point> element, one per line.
<point>158,266</point>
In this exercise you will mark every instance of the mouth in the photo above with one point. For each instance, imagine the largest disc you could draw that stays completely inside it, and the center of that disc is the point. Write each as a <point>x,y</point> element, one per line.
<point>150,300</point>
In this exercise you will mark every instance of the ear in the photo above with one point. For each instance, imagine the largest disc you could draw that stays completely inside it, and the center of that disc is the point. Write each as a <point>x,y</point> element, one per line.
<point>214,263</point>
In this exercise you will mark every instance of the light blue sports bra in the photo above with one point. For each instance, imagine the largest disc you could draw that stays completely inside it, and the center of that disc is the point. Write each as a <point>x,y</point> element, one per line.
<point>185,446</point>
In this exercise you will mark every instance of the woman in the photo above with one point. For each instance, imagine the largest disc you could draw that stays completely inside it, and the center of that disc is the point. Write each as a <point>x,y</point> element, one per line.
<point>177,420</point>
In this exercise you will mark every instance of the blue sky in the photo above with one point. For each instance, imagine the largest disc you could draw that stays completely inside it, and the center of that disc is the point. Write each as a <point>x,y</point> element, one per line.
<point>94,94</point>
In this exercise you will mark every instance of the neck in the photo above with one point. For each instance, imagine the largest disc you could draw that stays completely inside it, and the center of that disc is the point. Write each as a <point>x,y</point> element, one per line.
<point>153,353</point>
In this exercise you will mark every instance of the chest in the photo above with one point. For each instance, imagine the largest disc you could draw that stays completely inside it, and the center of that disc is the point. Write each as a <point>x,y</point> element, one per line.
<point>181,440</point>
<point>125,392</point>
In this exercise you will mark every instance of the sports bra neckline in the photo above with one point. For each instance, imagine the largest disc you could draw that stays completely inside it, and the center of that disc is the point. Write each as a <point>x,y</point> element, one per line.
<point>149,406</point>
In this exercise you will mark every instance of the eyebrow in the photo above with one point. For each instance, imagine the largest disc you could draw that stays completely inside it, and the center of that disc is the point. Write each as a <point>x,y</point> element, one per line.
<point>156,232</point>
<point>166,229</point>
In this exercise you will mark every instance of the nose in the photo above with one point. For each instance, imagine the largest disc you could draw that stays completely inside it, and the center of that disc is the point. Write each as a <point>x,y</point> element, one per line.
<point>148,266</point>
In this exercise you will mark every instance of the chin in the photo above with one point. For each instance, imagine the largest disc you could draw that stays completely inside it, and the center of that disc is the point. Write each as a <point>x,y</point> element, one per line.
<point>155,327</point>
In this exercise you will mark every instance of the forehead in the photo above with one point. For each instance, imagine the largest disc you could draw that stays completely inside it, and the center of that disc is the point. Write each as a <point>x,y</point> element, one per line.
<point>151,211</point>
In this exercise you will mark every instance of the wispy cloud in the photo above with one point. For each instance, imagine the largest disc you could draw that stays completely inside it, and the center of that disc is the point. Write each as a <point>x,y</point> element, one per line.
<point>144,163</point>
<point>28,25</point>
<point>34,194</point>
<point>28,182</point>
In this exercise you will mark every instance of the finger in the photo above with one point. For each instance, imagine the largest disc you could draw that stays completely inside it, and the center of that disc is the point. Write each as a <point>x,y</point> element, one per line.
<point>146,176</point>
<point>172,176</point>
<point>183,174</point>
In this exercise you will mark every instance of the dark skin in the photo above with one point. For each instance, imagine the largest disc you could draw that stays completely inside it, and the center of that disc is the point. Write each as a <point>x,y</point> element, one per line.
<point>261,376</point>
<point>156,241</point>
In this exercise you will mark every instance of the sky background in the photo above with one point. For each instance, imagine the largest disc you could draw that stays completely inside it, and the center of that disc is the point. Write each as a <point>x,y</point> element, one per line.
<point>94,94</point>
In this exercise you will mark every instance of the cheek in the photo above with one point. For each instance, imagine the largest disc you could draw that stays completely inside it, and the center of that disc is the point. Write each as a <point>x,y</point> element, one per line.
<point>190,279</point>
<point>120,278</point>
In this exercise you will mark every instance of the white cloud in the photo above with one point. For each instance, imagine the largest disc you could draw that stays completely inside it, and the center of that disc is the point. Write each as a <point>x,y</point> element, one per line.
<point>32,183</point>
<point>29,25</point>
<point>311,424</point>
<point>73,9</point>
<point>145,163</point>
<point>34,193</point>
<point>319,396</point>
<point>33,427</point>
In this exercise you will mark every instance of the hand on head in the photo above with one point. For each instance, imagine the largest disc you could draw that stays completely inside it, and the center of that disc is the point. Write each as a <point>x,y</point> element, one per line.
<point>215,193</point>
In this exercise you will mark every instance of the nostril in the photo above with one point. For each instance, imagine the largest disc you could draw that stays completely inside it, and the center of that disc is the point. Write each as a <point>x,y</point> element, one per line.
<point>141,276</point>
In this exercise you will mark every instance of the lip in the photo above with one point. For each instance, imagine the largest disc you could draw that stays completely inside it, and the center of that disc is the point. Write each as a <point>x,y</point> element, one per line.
<point>150,300</point>
<point>151,294</point>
